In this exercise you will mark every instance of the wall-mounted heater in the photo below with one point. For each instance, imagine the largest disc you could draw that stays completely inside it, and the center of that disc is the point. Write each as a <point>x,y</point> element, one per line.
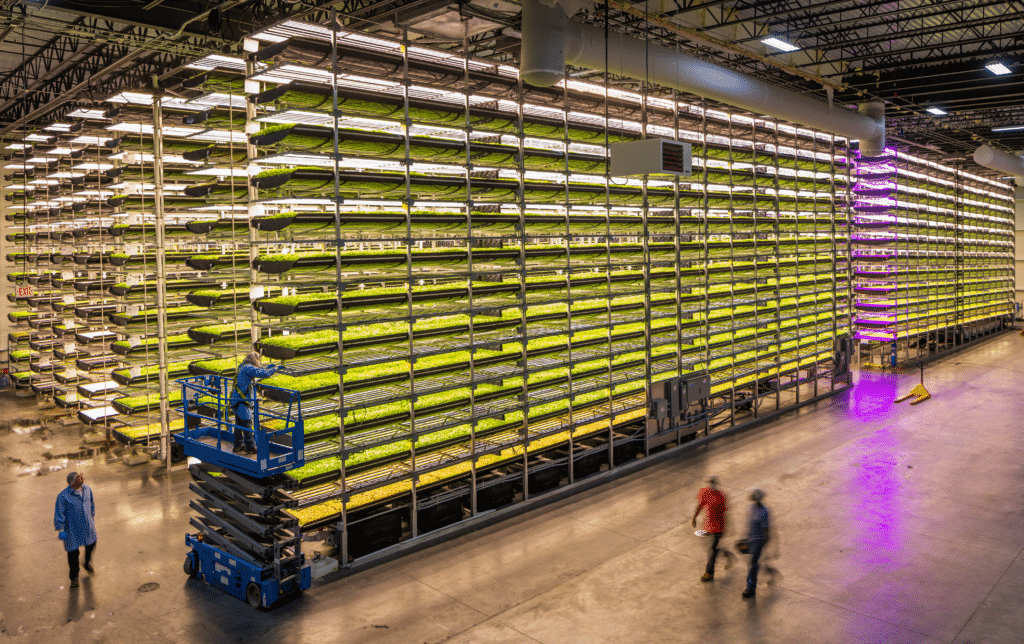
<point>651,156</point>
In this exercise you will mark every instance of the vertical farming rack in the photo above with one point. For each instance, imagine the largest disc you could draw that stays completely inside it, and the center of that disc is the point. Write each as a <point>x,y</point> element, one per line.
<point>933,258</point>
<point>474,311</point>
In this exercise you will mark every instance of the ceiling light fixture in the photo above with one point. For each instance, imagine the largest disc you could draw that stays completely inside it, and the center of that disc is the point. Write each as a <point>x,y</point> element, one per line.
<point>779,44</point>
<point>1008,128</point>
<point>936,111</point>
<point>998,68</point>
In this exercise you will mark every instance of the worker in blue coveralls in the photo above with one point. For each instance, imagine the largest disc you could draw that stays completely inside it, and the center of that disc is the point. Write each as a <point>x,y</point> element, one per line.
<point>74,519</point>
<point>242,395</point>
<point>760,528</point>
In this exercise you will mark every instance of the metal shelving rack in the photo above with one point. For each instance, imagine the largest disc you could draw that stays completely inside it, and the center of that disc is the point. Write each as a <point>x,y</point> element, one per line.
<point>475,311</point>
<point>933,258</point>
<point>478,214</point>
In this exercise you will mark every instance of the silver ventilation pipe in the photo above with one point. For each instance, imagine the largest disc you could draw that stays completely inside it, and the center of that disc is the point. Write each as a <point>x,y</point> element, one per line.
<point>550,40</point>
<point>989,157</point>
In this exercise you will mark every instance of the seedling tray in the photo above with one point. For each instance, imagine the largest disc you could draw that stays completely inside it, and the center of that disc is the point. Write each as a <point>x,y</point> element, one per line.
<point>124,350</point>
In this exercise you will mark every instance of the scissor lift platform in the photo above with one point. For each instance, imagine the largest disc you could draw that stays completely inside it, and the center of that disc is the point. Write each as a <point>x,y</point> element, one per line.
<point>246,545</point>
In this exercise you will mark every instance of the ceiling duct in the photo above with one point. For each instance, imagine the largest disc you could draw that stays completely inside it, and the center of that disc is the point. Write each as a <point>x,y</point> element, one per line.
<point>989,157</point>
<point>550,40</point>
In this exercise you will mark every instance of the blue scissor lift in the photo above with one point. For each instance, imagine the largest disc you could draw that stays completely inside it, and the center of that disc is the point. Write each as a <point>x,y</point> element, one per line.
<point>246,545</point>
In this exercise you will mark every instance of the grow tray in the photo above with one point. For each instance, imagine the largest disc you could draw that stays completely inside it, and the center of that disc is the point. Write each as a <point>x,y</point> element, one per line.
<point>95,337</point>
<point>86,285</point>
<point>204,226</point>
<point>151,403</point>
<point>97,389</point>
<point>171,285</point>
<point>97,415</point>
<point>143,434</point>
<point>195,368</point>
<point>45,387</point>
<point>203,262</point>
<point>19,316</point>
<point>171,313</point>
<point>123,348</point>
<point>120,259</point>
<point>45,367</point>
<point>225,296</point>
<point>61,354</point>
<point>71,377</point>
<point>200,336</point>
<point>124,378</point>
<point>67,400</point>
<point>313,261</point>
<point>44,322</point>
<point>91,311</point>
<point>96,362</point>
<point>24,355</point>
<point>44,344</point>
<point>85,259</point>
<point>43,300</point>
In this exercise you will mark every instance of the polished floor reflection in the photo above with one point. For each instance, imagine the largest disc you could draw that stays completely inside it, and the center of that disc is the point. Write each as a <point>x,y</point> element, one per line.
<point>896,524</point>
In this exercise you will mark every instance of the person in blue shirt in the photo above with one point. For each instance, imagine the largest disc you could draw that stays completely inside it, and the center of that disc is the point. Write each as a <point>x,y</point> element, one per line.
<point>759,529</point>
<point>241,400</point>
<point>74,519</point>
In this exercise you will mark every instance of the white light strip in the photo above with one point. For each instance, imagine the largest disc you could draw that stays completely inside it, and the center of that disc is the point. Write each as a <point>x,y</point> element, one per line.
<point>779,44</point>
<point>88,114</point>
<point>213,61</point>
<point>997,68</point>
<point>91,140</point>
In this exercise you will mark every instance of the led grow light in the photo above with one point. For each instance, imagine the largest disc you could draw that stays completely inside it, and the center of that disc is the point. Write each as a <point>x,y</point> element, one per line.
<point>43,160</point>
<point>40,138</point>
<point>103,194</point>
<point>65,175</point>
<point>218,99</point>
<point>91,140</point>
<point>144,128</point>
<point>19,146</point>
<point>89,114</point>
<point>213,61</point>
<point>936,111</point>
<point>1008,128</point>
<point>285,158</point>
<point>93,166</point>
<point>219,136</point>
<point>132,98</point>
<point>20,166</point>
<point>291,28</point>
<point>220,208</point>
<point>299,117</point>
<point>220,172</point>
<point>289,201</point>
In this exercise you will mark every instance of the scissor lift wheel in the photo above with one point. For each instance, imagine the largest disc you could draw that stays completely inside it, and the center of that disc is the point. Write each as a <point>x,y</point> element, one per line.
<point>190,566</point>
<point>253,595</point>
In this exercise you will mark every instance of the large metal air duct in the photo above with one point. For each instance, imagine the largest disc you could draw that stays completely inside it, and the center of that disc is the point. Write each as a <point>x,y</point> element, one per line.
<point>989,157</point>
<point>550,40</point>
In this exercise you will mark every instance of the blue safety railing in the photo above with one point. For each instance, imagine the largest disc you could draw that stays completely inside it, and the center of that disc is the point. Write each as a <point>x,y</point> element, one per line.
<point>210,428</point>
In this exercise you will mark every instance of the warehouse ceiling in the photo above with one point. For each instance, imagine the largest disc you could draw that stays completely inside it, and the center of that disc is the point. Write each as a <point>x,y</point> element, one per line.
<point>913,54</point>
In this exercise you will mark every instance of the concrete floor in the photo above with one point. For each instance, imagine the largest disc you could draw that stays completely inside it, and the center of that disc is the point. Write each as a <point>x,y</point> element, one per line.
<point>897,524</point>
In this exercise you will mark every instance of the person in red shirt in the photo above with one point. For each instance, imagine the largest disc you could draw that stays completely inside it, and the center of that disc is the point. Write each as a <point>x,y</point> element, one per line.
<point>712,501</point>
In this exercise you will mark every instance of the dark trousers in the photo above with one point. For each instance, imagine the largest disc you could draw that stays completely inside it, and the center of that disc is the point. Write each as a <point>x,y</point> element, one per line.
<point>713,555</point>
<point>242,436</point>
<point>73,559</point>
<point>756,546</point>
